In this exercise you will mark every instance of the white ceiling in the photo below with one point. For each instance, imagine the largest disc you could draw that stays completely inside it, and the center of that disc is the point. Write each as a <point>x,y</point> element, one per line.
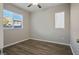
<point>34,7</point>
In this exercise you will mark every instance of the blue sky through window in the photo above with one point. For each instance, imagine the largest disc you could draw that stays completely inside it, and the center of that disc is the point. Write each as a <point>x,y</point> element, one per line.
<point>13,15</point>
<point>14,18</point>
<point>7,13</point>
<point>17,17</point>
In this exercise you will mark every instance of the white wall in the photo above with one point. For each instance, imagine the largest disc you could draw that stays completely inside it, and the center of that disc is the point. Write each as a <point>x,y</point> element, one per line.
<point>1,39</point>
<point>1,30</point>
<point>42,25</point>
<point>75,27</point>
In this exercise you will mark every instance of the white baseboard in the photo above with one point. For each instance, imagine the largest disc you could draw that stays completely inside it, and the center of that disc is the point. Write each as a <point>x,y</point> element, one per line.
<point>50,41</point>
<point>41,40</point>
<point>37,39</point>
<point>14,43</point>
<point>72,50</point>
<point>56,43</point>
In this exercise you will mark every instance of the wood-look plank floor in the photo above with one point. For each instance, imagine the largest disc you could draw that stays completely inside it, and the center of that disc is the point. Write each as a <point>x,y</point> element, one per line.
<point>35,47</point>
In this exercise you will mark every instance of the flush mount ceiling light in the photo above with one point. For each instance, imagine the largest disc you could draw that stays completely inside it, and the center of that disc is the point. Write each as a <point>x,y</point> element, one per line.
<point>36,4</point>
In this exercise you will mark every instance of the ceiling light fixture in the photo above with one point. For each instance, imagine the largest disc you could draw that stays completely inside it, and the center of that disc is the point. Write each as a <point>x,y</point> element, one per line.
<point>36,4</point>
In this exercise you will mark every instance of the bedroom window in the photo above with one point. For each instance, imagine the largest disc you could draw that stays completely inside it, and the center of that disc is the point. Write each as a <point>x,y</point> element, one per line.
<point>12,20</point>
<point>59,20</point>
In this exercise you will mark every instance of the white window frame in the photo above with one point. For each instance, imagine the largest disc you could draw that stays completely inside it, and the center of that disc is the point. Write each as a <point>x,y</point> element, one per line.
<point>13,25</point>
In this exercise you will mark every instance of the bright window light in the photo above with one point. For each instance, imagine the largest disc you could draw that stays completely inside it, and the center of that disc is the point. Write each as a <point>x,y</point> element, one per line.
<point>12,20</point>
<point>59,20</point>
